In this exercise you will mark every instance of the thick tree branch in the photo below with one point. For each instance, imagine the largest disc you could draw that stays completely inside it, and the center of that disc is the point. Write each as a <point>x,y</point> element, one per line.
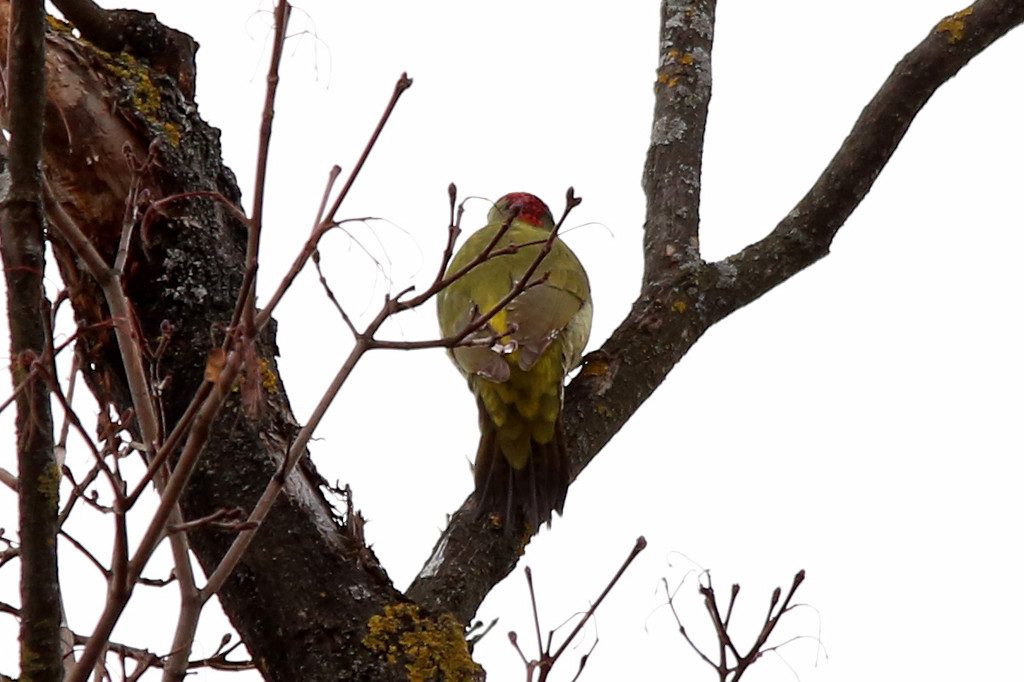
<point>805,234</point>
<point>682,297</point>
<point>24,253</point>
<point>673,171</point>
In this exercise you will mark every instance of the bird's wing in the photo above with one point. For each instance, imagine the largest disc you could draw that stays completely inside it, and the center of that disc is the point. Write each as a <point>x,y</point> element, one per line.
<point>538,316</point>
<point>479,360</point>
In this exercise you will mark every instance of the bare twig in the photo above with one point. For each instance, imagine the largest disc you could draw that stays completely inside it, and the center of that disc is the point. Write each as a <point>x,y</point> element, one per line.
<point>329,220</point>
<point>403,84</point>
<point>641,544</point>
<point>224,519</point>
<point>682,628</point>
<point>62,439</point>
<point>583,660</point>
<point>731,663</point>
<point>281,14</point>
<point>127,336</point>
<point>131,205</point>
<point>546,660</point>
<point>308,251</point>
<point>533,607</point>
<point>72,419</point>
<point>9,551</point>
<point>84,551</point>
<point>8,479</point>
<point>78,491</point>
<point>330,294</point>
<point>478,631</point>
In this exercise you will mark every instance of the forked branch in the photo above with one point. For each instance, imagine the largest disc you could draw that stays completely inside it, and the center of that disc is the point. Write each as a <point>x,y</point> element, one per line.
<point>729,662</point>
<point>682,295</point>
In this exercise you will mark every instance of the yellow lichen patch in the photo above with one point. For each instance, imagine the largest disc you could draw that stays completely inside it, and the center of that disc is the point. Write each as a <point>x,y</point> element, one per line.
<point>667,80</point>
<point>429,648</point>
<point>268,378</point>
<point>955,24</point>
<point>603,410</point>
<point>172,133</point>
<point>668,74</point>
<point>145,96</point>
<point>49,483</point>
<point>679,306</point>
<point>58,25</point>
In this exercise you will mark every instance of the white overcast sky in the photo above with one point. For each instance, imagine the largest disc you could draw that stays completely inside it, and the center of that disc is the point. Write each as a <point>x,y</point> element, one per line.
<point>861,422</point>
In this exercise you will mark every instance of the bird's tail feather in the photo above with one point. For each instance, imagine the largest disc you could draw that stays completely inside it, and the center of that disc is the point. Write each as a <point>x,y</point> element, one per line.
<point>529,494</point>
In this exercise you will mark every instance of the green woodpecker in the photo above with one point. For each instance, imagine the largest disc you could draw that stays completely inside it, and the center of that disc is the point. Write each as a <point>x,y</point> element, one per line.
<point>517,364</point>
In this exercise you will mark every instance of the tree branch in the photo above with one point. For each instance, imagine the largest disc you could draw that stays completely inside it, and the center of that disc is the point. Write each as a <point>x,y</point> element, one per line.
<point>672,173</point>
<point>805,234</point>
<point>24,252</point>
<point>681,297</point>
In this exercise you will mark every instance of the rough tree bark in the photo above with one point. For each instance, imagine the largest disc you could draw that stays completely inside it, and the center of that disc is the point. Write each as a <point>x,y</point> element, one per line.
<point>303,595</point>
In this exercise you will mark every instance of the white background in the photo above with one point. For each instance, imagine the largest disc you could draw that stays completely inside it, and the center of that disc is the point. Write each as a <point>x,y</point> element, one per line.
<point>860,422</point>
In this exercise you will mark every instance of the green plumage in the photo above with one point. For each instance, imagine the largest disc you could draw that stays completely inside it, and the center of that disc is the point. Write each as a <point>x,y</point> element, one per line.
<point>521,466</point>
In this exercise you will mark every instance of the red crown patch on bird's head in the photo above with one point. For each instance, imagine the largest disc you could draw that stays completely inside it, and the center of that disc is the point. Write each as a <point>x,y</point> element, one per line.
<point>526,207</point>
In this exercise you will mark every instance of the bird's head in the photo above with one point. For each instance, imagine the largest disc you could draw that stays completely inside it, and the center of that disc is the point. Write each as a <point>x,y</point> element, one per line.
<point>525,207</point>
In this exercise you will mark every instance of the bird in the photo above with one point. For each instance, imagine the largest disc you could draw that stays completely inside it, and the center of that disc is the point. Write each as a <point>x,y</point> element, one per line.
<point>516,363</point>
